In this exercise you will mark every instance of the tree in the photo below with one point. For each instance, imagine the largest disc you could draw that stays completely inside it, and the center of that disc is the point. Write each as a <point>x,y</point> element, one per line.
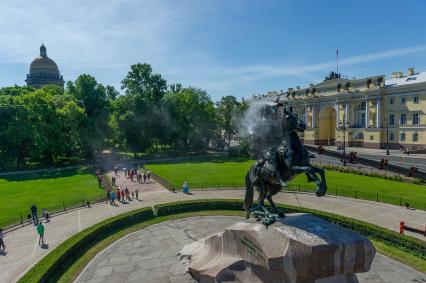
<point>140,112</point>
<point>94,99</point>
<point>192,118</point>
<point>140,80</point>
<point>226,109</point>
<point>111,92</point>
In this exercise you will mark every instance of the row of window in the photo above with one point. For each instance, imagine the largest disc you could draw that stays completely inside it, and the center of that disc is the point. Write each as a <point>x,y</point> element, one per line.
<point>403,119</point>
<point>402,137</point>
<point>404,100</point>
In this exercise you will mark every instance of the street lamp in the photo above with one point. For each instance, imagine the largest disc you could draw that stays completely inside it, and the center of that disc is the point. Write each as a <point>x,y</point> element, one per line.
<point>343,127</point>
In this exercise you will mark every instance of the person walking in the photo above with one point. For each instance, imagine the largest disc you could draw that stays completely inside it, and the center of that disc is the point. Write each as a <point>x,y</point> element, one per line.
<point>148,176</point>
<point>112,202</point>
<point>137,194</point>
<point>108,198</point>
<point>123,197</point>
<point>2,246</point>
<point>40,231</point>
<point>144,177</point>
<point>33,210</point>
<point>118,194</point>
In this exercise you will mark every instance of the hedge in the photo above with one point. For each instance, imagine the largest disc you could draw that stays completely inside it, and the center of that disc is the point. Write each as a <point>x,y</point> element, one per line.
<point>52,266</point>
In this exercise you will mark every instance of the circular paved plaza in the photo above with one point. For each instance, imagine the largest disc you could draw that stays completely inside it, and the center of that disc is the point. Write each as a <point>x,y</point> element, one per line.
<point>150,255</point>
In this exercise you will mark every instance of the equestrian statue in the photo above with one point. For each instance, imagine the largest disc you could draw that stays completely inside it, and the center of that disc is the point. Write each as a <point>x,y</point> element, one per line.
<point>283,157</point>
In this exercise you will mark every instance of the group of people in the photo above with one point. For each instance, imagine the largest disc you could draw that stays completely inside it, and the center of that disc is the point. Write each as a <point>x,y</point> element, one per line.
<point>142,177</point>
<point>39,228</point>
<point>121,195</point>
<point>38,223</point>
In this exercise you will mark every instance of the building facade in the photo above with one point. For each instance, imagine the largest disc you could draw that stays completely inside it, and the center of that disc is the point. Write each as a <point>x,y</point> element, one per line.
<point>43,71</point>
<point>371,112</point>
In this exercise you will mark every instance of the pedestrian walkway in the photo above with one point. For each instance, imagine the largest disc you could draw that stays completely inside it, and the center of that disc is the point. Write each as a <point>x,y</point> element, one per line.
<point>23,250</point>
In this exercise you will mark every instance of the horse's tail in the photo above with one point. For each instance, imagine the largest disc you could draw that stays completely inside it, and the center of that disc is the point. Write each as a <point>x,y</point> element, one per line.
<point>248,200</point>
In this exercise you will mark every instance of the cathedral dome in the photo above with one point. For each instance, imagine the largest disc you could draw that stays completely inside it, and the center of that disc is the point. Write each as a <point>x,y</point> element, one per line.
<point>43,70</point>
<point>43,64</point>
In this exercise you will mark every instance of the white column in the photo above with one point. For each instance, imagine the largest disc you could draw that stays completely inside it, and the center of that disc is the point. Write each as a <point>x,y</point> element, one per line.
<point>346,113</point>
<point>337,115</point>
<point>366,113</point>
<point>313,117</point>
<point>378,114</point>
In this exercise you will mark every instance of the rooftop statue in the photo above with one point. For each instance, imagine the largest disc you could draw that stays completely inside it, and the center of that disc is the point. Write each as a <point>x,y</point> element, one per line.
<point>284,157</point>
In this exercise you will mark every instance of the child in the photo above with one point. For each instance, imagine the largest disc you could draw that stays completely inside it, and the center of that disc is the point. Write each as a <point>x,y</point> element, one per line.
<point>43,213</point>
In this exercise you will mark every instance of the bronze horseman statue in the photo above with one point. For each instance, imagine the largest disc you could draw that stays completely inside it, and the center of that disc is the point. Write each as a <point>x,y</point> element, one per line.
<point>283,157</point>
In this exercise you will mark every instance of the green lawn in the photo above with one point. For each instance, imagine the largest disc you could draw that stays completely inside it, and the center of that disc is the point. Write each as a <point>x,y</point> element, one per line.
<point>230,172</point>
<point>52,190</point>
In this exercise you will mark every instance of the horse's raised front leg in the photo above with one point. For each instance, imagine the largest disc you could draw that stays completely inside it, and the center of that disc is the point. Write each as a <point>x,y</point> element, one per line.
<point>311,172</point>
<point>323,186</point>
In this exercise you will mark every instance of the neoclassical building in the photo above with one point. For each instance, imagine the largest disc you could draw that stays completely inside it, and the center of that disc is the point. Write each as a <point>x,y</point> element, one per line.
<point>371,112</point>
<point>43,71</point>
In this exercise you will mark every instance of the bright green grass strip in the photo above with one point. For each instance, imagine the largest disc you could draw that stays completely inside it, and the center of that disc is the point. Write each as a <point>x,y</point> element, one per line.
<point>52,190</point>
<point>228,172</point>
<point>77,267</point>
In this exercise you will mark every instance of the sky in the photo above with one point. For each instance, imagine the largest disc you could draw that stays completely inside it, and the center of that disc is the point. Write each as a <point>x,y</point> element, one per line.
<point>227,47</point>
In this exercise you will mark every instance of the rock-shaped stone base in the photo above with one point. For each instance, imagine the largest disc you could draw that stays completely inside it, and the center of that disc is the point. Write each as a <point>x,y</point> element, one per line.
<point>300,248</point>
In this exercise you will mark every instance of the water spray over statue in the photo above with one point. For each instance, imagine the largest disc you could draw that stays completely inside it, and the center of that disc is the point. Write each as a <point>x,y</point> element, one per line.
<point>281,156</point>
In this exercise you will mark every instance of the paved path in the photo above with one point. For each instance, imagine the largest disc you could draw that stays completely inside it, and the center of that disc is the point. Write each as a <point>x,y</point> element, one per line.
<point>23,250</point>
<point>150,256</point>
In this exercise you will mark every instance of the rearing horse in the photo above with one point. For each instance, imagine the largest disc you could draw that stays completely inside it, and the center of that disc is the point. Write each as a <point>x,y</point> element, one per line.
<point>292,159</point>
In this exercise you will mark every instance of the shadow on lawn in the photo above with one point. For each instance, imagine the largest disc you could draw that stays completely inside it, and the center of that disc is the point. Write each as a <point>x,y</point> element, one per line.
<point>51,174</point>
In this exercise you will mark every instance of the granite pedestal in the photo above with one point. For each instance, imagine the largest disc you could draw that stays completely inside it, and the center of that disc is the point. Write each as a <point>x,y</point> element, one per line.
<point>300,248</point>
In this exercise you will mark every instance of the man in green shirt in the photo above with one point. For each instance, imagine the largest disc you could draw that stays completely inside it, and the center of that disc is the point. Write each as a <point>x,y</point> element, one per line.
<point>40,231</point>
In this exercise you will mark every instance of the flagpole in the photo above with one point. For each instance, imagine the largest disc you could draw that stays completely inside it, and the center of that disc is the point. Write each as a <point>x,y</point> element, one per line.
<point>337,60</point>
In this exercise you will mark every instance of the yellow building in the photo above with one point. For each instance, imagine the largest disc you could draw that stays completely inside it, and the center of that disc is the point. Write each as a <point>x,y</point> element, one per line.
<point>370,112</point>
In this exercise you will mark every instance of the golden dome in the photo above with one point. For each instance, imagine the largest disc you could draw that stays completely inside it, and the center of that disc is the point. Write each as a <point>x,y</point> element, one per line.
<point>43,64</point>
<point>43,71</point>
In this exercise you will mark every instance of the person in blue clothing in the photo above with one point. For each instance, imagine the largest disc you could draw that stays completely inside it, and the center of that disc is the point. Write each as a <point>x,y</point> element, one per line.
<point>185,188</point>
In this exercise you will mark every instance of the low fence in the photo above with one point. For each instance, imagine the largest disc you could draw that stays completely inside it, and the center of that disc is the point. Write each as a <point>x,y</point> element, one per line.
<point>65,206</point>
<point>334,191</point>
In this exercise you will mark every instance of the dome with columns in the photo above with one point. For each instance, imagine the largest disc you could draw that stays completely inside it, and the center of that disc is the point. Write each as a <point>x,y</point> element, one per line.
<point>43,71</point>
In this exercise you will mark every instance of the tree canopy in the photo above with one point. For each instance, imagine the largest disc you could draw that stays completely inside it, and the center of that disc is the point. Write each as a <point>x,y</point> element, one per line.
<point>42,127</point>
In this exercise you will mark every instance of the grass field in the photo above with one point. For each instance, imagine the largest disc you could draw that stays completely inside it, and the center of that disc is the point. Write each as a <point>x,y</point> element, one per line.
<point>230,172</point>
<point>52,190</point>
